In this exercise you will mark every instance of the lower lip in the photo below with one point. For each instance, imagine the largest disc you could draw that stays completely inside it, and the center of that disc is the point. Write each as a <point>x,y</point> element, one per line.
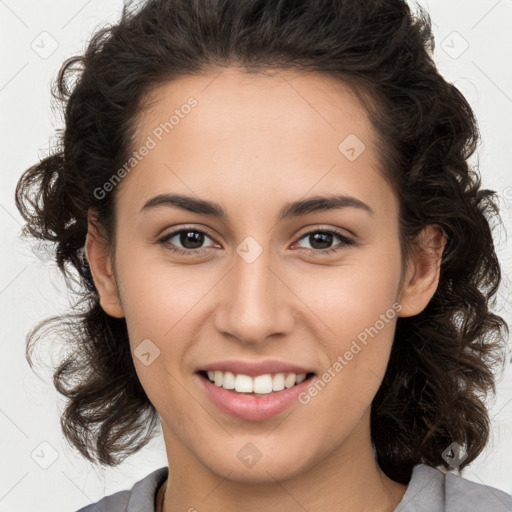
<point>253,407</point>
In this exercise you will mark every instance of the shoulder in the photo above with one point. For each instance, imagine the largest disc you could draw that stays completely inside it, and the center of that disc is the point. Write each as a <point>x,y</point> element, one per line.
<point>141,497</point>
<point>433,490</point>
<point>467,495</point>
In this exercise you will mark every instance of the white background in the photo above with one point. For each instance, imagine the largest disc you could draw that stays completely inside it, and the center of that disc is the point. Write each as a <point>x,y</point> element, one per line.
<point>31,288</point>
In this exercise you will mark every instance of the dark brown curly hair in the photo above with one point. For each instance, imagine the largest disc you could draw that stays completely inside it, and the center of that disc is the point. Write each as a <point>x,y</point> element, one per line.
<point>442,361</point>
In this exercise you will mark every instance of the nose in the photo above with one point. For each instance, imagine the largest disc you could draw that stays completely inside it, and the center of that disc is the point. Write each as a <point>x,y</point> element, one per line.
<point>255,302</point>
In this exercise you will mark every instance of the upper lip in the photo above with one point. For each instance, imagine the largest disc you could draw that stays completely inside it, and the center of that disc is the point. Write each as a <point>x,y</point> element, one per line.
<point>253,368</point>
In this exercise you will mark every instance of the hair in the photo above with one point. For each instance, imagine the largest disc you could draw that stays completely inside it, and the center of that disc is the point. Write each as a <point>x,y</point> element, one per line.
<point>441,363</point>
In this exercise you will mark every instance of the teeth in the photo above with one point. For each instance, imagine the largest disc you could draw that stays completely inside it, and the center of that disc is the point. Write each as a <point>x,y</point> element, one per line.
<point>261,384</point>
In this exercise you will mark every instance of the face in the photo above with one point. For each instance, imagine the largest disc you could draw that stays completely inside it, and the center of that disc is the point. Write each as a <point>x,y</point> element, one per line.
<point>317,288</point>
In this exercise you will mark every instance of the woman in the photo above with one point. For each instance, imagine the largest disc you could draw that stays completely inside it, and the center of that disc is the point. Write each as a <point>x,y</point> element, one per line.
<point>207,141</point>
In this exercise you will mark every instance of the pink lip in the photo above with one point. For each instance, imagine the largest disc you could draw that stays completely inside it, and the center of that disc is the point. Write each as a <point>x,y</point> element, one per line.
<point>252,407</point>
<point>256,367</point>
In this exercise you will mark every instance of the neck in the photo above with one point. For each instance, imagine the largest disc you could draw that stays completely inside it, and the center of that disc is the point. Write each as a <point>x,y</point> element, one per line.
<point>344,480</point>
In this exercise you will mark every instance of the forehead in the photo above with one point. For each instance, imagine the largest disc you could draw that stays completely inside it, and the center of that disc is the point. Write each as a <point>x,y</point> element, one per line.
<point>248,135</point>
<point>233,102</point>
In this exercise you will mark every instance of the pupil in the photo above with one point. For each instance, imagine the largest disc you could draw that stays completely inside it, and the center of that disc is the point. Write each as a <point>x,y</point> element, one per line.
<point>325,238</point>
<point>191,237</point>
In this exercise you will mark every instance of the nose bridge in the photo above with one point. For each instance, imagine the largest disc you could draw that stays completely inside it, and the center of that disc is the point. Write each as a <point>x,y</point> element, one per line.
<point>253,305</point>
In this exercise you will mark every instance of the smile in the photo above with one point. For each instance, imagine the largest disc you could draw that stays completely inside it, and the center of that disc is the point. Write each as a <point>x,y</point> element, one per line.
<point>259,385</point>
<point>253,398</point>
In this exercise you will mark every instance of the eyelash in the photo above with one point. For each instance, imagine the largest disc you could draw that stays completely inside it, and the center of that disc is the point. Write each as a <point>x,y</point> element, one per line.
<point>344,241</point>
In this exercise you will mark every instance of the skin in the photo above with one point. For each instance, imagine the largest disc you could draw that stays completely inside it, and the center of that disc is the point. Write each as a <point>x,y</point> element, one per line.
<point>252,144</point>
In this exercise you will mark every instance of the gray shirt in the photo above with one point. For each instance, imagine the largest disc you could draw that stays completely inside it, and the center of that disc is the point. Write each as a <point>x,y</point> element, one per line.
<point>429,490</point>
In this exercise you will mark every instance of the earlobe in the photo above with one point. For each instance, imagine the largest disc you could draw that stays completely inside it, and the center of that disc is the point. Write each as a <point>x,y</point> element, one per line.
<point>99,260</point>
<point>423,269</point>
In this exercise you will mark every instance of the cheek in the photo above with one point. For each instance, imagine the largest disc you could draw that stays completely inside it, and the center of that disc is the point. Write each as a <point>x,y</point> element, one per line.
<point>358,306</point>
<point>352,296</point>
<point>157,295</point>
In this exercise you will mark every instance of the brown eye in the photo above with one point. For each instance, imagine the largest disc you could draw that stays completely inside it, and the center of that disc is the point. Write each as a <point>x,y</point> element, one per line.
<point>321,240</point>
<point>191,240</point>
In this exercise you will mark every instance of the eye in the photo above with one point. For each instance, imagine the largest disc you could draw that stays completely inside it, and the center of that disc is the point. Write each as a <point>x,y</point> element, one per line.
<point>325,238</point>
<point>192,240</point>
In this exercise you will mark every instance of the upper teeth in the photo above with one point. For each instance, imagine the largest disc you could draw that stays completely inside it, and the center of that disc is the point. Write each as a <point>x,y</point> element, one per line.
<point>261,384</point>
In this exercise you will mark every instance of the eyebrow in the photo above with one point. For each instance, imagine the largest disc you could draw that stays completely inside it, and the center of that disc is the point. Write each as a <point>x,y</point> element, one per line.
<point>290,210</point>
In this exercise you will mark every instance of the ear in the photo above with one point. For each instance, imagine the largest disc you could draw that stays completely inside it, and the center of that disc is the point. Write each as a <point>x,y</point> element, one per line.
<point>98,257</point>
<point>423,268</point>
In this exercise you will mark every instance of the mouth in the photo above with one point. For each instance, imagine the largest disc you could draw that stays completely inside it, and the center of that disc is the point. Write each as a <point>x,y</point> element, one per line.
<point>259,385</point>
<point>256,398</point>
